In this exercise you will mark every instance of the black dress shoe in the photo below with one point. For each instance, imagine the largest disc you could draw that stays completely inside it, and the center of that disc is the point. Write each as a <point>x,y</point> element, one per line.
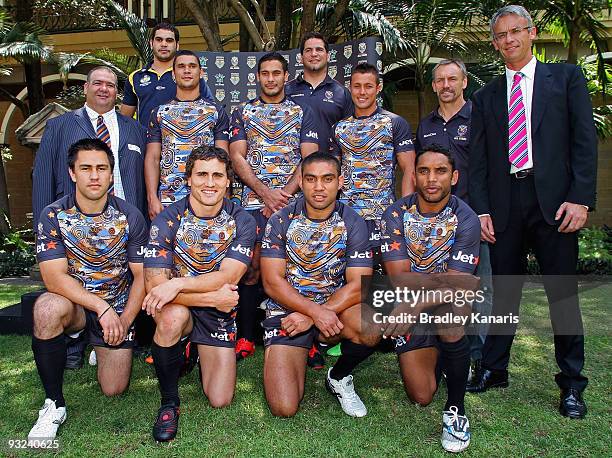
<point>572,404</point>
<point>486,379</point>
<point>475,370</point>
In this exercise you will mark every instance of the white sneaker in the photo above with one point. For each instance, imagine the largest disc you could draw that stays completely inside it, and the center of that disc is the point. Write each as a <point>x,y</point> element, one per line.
<point>344,390</point>
<point>49,420</point>
<point>455,431</point>
<point>93,360</point>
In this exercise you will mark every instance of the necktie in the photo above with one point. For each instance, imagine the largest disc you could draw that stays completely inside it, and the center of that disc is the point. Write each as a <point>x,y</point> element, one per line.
<point>517,125</point>
<point>103,134</point>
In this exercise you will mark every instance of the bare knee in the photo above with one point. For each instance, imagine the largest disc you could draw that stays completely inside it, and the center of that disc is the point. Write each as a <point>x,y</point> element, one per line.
<point>170,325</point>
<point>422,398</point>
<point>114,389</point>
<point>283,409</point>
<point>220,401</point>
<point>49,312</point>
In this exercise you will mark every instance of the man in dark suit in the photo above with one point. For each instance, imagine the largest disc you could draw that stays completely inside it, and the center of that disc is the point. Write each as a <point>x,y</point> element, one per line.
<point>97,119</point>
<point>532,180</point>
<point>126,138</point>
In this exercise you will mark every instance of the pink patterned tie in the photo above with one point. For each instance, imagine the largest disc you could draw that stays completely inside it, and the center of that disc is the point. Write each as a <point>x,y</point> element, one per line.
<point>517,125</point>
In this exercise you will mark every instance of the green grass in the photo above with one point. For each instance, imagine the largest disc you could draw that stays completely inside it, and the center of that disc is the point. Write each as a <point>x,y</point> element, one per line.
<point>11,294</point>
<point>521,420</point>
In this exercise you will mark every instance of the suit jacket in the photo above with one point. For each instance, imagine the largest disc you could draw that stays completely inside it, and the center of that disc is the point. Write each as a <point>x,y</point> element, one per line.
<point>564,144</point>
<point>51,179</point>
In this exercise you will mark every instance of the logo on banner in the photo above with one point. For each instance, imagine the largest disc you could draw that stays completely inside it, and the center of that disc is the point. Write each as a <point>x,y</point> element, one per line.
<point>234,63</point>
<point>206,77</point>
<point>220,94</point>
<point>332,71</point>
<point>348,51</point>
<point>298,59</point>
<point>219,61</point>
<point>251,61</point>
<point>348,70</point>
<point>287,57</point>
<point>235,78</point>
<point>362,49</point>
<point>251,94</point>
<point>203,61</point>
<point>379,48</point>
<point>332,55</point>
<point>251,79</point>
<point>235,96</point>
<point>379,65</point>
<point>347,84</point>
<point>219,77</point>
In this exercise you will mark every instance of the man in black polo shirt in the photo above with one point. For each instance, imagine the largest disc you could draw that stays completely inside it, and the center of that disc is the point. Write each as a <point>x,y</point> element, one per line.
<point>329,100</point>
<point>449,125</point>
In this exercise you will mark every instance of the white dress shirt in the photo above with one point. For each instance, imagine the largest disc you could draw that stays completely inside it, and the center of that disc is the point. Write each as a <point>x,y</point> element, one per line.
<point>110,119</point>
<point>526,84</point>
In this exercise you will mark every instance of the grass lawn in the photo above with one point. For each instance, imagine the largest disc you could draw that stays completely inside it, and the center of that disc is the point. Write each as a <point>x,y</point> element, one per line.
<point>11,294</point>
<point>521,420</point>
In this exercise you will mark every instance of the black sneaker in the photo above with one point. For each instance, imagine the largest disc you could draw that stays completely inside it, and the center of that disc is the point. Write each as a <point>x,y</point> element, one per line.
<point>75,351</point>
<point>315,358</point>
<point>166,425</point>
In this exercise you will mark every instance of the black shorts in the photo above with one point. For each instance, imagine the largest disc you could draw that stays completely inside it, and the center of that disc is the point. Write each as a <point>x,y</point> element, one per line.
<point>95,333</point>
<point>274,335</point>
<point>423,336</point>
<point>260,222</point>
<point>213,327</point>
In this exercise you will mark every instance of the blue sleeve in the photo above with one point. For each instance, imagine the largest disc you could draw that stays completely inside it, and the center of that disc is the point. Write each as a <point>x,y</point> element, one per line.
<point>49,243</point>
<point>237,130</point>
<point>241,248</point>
<point>348,107</point>
<point>402,135</point>
<point>334,146</point>
<point>359,253</point>
<point>309,130</point>
<point>392,230</point>
<point>418,142</point>
<point>43,176</point>
<point>129,96</point>
<point>137,238</point>
<point>466,249</point>
<point>154,131</point>
<point>205,91</point>
<point>221,129</point>
<point>160,249</point>
<point>273,242</point>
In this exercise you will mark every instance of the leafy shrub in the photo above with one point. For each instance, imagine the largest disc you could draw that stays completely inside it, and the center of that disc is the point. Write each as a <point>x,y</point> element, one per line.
<point>16,253</point>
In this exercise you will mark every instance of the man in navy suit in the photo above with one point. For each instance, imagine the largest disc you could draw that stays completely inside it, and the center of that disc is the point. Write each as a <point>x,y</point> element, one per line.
<point>125,136</point>
<point>533,161</point>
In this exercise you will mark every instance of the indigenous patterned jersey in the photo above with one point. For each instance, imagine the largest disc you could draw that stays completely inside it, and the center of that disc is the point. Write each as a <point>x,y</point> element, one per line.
<point>180,126</point>
<point>317,252</point>
<point>274,133</point>
<point>190,245</point>
<point>97,247</point>
<point>431,242</point>
<point>368,148</point>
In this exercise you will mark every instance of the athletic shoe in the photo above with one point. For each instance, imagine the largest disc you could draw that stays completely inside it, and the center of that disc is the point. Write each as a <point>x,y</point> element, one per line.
<point>190,357</point>
<point>344,390</point>
<point>166,425</point>
<point>75,350</point>
<point>455,431</point>
<point>315,358</point>
<point>93,359</point>
<point>49,420</point>
<point>244,349</point>
<point>335,351</point>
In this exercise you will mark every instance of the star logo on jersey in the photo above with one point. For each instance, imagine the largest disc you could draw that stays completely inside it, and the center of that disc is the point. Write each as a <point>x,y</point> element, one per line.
<point>395,246</point>
<point>53,232</point>
<point>51,245</point>
<point>235,131</point>
<point>395,214</point>
<point>162,253</point>
<point>170,223</point>
<point>51,215</point>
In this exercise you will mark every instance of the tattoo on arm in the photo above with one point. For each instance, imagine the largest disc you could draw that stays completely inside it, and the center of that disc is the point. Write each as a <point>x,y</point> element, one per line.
<point>152,272</point>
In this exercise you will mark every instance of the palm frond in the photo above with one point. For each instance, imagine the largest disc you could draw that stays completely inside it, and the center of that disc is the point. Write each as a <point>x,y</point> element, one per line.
<point>136,30</point>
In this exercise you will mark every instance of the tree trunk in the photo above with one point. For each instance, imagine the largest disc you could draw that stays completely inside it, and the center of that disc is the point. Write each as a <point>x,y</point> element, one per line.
<point>4,201</point>
<point>283,24</point>
<point>33,71</point>
<point>332,22</point>
<point>309,8</point>
<point>249,24</point>
<point>572,46</point>
<point>204,13</point>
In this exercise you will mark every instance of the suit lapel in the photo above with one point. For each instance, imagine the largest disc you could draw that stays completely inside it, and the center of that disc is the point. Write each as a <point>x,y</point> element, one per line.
<point>499,103</point>
<point>541,93</point>
<point>122,124</point>
<point>82,120</point>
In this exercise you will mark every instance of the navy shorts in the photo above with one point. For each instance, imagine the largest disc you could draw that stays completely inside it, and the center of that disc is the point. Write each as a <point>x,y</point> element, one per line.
<point>213,327</point>
<point>422,337</point>
<point>260,222</point>
<point>274,335</point>
<point>95,333</point>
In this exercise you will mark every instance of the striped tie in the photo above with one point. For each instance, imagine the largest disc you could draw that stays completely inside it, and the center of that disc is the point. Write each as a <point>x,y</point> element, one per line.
<point>518,153</point>
<point>102,131</point>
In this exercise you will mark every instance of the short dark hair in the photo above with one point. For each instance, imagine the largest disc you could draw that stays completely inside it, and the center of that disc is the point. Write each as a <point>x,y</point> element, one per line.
<point>309,36</point>
<point>273,56</point>
<point>89,144</point>
<point>364,67</point>
<point>436,148</point>
<point>165,26</point>
<point>98,68</point>
<point>185,52</point>
<point>206,153</point>
<point>321,156</point>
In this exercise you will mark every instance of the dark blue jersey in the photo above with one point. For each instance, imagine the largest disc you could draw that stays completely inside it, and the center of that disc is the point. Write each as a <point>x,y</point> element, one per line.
<point>97,247</point>
<point>317,252</point>
<point>431,242</point>
<point>189,245</point>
